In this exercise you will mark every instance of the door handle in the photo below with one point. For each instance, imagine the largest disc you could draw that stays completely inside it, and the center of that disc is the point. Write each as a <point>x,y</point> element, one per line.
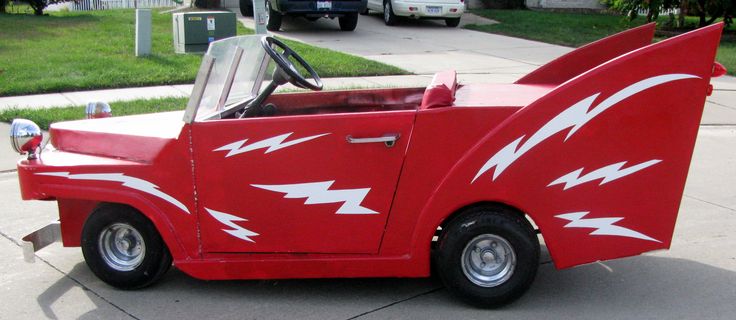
<point>388,139</point>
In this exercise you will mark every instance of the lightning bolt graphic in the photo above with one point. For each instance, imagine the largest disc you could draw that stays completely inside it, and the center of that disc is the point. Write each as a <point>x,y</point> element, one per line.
<point>574,117</point>
<point>229,220</point>
<point>273,144</point>
<point>607,173</point>
<point>318,193</point>
<point>127,181</point>
<point>603,226</point>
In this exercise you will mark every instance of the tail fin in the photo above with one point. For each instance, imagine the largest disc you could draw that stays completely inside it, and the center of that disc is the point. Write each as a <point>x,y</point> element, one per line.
<point>589,56</point>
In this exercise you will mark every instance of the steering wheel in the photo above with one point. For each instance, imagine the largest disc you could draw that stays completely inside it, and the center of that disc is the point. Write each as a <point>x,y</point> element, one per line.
<point>282,59</point>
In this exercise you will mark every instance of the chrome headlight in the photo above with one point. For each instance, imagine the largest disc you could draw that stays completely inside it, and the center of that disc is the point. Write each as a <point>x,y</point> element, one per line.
<point>98,109</point>
<point>25,137</point>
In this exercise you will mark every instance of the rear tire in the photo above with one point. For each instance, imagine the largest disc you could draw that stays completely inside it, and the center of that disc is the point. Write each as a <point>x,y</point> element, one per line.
<point>123,248</point>
<point>246,8</point>
<point>274,18</point>
<point>389,18</point>
<point>452,22</point>
<point>348,22</point>
<point>488,256</point>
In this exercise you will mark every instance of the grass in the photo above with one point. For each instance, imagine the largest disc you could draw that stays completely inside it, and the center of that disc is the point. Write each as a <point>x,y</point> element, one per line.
<point>576,29</point>
<point>44,117</point>
<point>68,51</point>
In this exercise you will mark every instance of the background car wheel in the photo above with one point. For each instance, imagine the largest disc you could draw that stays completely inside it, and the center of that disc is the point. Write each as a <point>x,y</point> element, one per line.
<point>123,248</point>
<point>388,14</point>
<point>488,256</point>
<point>348,22</point>
<point>274,18</point>
<point>452,22</point>
<point>364,12</point>
<point>246,8</point>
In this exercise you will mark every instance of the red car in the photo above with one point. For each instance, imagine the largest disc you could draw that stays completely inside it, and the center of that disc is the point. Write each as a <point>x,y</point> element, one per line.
<point>589,152</point>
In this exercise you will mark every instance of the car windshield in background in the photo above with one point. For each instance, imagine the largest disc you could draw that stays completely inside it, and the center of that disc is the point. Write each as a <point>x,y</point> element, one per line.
<point>249,68</point>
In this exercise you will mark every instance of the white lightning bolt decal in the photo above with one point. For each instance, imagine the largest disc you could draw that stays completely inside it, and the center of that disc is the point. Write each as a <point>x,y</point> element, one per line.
<point>318,193</point>
<point>573,117</point>
<point>607,173</point>
<point>229,220</point>
<point>130,182</point>
<point>273,144</point>
<point>603,226</point>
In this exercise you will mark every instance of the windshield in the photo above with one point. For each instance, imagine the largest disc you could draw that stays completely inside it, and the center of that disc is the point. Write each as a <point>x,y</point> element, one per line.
<point>238,68</point>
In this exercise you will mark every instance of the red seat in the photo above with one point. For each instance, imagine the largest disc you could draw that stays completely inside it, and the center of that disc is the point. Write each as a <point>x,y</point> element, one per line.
<point>441,91</point>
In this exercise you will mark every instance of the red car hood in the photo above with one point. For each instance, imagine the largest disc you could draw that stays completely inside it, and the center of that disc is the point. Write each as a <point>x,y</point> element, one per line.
<point>135,138</point>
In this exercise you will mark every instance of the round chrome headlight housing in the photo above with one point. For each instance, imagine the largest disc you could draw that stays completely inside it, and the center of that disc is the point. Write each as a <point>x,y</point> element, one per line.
<point>25,137</point>
<point>98,109</point>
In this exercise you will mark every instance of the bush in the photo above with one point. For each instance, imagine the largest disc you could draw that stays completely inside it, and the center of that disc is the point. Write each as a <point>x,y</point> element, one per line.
<point>713,9</point>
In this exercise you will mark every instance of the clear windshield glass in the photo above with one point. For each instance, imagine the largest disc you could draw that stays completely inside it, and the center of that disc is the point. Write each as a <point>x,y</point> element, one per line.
<point>248,68</point>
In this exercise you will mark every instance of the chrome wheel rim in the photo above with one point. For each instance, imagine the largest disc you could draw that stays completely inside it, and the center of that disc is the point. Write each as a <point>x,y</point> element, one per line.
<point>488,260</point>
<point>122,247</point>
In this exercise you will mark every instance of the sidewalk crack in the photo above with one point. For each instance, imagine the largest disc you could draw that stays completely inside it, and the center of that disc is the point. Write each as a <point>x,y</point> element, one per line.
<point>66,275</point>
<point>712,203</point>
<point>396,302</point>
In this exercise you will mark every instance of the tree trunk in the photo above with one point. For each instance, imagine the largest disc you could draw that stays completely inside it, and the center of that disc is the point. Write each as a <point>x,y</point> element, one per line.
<point>682,14</point>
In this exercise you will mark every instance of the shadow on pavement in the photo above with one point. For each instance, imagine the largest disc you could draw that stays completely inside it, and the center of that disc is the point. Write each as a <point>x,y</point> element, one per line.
<point>640,287</point>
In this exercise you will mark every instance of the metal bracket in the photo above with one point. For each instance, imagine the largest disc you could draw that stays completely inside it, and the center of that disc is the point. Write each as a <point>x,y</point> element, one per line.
<point>40,239</point>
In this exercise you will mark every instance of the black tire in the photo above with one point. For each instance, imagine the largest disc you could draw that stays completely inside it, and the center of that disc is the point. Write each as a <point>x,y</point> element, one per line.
<point>107,262</point>
<point>485,231</point>
<point>274,18</point>
<point>364,12</point>
<point>348,22</point>
<point>452,22</point>
<point>246,8</point>
<point>389,18</point>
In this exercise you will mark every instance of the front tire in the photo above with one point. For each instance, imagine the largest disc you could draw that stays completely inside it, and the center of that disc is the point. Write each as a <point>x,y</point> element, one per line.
<point>123,248</point>
<point>274,18</point>
<point>488,256</point>
<point>348,22</point>
<point>389,18</point>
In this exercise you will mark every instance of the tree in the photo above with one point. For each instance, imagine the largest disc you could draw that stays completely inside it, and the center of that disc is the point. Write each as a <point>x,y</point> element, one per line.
<point>39,5</point>
<point>708,11</point>
<point>3,4</point>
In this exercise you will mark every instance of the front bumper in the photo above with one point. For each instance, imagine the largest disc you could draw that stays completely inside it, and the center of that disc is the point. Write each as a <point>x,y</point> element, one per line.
<point>401,8</point>
<point>40,239</point>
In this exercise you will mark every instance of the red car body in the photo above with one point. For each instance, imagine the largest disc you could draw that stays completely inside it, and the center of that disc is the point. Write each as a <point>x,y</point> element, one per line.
<point>593,147</point>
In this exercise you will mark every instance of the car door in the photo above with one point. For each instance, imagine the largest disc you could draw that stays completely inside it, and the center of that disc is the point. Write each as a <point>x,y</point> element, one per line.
<point>298,184</point>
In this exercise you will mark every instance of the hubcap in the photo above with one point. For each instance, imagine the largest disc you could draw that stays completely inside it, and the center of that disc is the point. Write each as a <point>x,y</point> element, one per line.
<point>387,11</point>
<point>488,260</point>
<point>122,247</point>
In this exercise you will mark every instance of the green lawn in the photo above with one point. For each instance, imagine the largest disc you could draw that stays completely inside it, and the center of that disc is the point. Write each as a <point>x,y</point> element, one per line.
<point>44,117</point>
<point>68,51</point>
<point>576,29</point>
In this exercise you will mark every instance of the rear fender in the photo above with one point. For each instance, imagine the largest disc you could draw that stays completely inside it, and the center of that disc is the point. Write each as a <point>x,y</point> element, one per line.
<point>600,162</point>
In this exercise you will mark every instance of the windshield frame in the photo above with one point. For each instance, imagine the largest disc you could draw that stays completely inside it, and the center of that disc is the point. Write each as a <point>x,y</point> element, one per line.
<point>225,60</point>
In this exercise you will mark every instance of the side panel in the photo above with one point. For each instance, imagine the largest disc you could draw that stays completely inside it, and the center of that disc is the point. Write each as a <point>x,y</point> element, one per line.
<point>297,184</point>
<point>589,56</point>
<point>600,162</point>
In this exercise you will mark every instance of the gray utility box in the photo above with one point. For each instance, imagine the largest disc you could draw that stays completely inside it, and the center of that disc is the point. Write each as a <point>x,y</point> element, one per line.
<point>193,31</point>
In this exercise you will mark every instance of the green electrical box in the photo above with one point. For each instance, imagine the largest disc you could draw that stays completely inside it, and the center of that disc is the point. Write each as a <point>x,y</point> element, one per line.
<point>193,31</point>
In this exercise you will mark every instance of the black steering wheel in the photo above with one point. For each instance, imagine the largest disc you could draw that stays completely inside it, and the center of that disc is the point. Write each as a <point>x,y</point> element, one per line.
<point>282,59</point>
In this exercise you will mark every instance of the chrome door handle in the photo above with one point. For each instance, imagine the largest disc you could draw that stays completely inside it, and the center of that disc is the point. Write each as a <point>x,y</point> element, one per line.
<point>388,139</point>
